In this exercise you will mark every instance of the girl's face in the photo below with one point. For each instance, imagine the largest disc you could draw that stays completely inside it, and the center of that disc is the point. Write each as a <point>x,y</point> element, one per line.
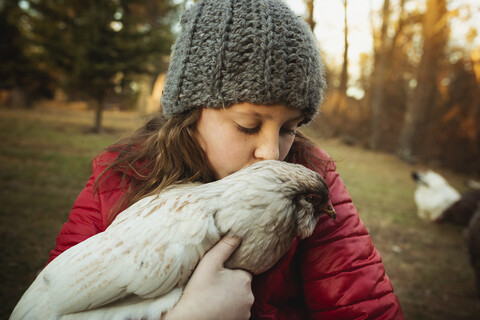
<point>244,133</point>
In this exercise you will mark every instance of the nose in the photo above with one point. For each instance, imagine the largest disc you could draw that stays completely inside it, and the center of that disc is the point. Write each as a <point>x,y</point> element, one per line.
<point>268,147</point>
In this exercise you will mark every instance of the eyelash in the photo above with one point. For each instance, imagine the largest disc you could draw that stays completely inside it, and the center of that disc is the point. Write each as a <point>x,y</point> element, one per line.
<point>248,130</point>
<point>257,129</point>
<point>290,131</point>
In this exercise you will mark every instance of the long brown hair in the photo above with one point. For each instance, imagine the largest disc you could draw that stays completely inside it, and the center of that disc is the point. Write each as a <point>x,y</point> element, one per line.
<point>165,152</point>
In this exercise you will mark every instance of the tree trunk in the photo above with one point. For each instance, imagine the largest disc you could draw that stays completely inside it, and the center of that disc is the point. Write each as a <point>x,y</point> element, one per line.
<point>310,20</point>
<point>378,86</point>
<point>400,25</point>
<point>474,116</point>
<point>344,75</point>
<point>97,128</point>
<point>423,97</point>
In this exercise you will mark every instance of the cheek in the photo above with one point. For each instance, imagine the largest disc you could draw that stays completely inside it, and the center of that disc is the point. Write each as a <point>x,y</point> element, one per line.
<point>227,142</point>
<point>285,144</point>
<point>233,149</point>
<point>226,151</point>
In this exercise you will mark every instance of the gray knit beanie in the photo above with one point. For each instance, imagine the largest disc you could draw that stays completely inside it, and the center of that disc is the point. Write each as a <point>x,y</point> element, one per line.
<point>232,51</point>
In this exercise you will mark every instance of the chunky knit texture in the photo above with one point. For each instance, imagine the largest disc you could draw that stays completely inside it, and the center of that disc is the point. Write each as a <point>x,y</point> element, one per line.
<point>232,51</point>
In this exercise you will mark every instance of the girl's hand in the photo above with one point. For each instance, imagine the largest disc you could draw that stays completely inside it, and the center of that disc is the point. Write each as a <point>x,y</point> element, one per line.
<point>214,292</point>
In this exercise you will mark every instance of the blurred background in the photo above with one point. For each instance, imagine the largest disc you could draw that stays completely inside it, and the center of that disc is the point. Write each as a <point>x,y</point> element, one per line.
<point>403,95</point>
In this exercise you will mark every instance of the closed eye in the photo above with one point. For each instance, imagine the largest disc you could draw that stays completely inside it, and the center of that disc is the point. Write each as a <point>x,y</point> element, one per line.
<point>288,131</point>
<point>248,130</point>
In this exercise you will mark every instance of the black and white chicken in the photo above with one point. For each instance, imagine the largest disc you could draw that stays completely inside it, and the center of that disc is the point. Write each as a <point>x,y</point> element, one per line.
<point>433,195</point>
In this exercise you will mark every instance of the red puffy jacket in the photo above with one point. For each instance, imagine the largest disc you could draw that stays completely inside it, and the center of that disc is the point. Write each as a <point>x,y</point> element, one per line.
<point>335,274</point>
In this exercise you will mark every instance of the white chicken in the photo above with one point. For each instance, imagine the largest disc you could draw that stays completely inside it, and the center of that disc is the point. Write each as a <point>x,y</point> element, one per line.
<point>138,267</point>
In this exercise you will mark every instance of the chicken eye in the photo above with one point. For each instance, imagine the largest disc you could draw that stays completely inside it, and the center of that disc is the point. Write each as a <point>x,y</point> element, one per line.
<point>313,198</point>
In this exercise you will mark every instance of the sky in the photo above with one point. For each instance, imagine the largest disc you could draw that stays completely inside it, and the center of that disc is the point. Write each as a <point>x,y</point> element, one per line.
<point>329,18</point>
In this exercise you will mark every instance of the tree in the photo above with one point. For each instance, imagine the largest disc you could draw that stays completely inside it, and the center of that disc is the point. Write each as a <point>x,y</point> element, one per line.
<point>378,79</point>
<point>97,45</point>
<point>335,109</point>
<point>18,73</point>
<point>309,19</point>
<point>344,74</point>
<point>434,42</point>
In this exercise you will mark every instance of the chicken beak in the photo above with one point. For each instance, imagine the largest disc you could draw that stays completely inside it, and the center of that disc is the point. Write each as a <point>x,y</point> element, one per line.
<point>330,211</point>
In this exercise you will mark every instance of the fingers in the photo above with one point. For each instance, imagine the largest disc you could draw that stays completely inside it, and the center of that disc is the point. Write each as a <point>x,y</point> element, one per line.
<point>217,292</point>
<point>223,249</point>
<point>244,277</point>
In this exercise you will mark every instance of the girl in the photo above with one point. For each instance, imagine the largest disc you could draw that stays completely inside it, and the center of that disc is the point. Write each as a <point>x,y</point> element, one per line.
<point>243,76</point>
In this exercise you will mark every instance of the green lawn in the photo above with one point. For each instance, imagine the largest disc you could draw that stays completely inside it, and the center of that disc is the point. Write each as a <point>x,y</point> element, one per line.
<point>45,161</point>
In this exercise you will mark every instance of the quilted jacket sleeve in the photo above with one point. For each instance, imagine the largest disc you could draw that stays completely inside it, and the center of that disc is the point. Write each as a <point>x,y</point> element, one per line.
<point>343,275</point>
<point>90,210</point>
<point>83,222</point>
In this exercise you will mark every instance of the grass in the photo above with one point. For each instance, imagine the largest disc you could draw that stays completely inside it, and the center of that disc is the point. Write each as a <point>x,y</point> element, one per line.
<point>427,263</point>
<point>45,160</point>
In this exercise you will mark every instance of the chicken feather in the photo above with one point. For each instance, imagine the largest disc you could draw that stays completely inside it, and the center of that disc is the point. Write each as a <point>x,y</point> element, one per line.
<point>138,266</point>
